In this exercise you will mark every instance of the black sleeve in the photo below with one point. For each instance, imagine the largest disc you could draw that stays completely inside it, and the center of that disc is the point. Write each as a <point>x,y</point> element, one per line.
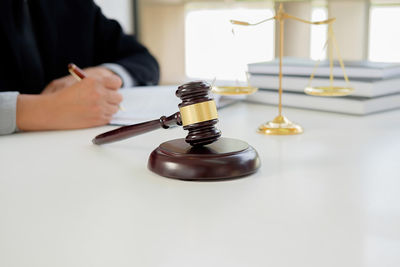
<point>112,45</point>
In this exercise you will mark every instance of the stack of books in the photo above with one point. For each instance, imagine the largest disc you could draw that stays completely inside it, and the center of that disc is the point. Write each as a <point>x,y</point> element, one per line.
<point>377,85</point>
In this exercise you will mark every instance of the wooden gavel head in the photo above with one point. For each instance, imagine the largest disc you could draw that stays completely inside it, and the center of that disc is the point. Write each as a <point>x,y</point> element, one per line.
<point>198,113</point>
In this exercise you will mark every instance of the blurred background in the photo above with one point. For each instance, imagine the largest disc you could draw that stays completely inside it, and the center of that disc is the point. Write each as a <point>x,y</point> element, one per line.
<point>194,39</point>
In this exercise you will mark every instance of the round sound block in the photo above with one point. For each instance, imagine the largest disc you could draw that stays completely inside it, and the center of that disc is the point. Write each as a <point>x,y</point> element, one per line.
<point>224,159</point>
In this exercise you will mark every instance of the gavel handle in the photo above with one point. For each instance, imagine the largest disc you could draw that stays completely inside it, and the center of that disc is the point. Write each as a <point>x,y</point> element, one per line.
<point>137,129</point>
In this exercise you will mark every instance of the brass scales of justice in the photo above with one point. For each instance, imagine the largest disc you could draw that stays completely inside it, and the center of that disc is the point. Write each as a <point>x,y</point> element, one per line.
<point>281,125</point>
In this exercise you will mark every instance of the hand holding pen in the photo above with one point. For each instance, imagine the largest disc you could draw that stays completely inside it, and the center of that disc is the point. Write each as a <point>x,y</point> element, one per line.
<point>67,104</point>
<point>79,74</point>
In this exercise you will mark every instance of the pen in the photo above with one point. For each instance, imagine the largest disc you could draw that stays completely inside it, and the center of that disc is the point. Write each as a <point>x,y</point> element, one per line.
<point>76,72</point>
<point>79,74</point>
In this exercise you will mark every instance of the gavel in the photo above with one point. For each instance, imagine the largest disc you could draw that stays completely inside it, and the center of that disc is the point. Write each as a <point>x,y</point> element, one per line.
<point>197,114</point>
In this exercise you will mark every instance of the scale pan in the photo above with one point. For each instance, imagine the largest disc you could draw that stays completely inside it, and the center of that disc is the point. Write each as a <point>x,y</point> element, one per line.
<point>234,90</point>
<point>328,90</point>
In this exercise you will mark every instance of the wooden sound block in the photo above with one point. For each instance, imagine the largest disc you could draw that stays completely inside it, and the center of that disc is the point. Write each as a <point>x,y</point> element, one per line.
<point>224,159</point>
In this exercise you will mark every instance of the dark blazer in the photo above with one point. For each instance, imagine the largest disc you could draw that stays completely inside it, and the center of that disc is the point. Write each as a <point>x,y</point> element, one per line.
<point>67,31</point>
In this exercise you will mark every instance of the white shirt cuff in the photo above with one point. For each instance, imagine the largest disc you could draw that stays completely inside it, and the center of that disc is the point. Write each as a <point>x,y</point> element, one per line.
<point>8,112</point>
<point>127,79</point>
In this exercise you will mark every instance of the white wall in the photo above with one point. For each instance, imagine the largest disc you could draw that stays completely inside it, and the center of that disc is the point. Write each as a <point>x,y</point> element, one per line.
<point>296,35</point>
<point>351,27</point>
<point>162,31</point>
<point>120,10</point>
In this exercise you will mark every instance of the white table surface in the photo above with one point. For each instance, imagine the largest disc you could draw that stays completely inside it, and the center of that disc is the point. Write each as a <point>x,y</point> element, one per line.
<point>328,197</point>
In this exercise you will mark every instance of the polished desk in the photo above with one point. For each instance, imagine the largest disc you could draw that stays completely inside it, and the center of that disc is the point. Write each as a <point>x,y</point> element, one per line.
<point>328,197</point>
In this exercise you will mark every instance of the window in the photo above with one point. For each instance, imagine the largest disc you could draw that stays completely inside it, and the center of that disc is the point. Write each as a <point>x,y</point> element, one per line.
<point>384,33</point>
<point>318,34</point>
<point>217,49</point>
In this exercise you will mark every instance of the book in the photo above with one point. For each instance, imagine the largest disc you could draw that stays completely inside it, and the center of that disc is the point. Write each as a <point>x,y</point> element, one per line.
<point>348,105</point>
<point>363,87</point>
<point>305,67</point>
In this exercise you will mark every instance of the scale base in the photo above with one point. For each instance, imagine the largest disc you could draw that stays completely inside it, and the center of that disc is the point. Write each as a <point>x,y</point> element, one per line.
<point>328,90</point>
<point>280,126</point>
<point>224,159</point>
<point>234,90</point>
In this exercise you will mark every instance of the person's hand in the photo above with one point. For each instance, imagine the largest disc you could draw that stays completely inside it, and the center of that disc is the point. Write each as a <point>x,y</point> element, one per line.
<point>85,104</point>
<point>97,73</point>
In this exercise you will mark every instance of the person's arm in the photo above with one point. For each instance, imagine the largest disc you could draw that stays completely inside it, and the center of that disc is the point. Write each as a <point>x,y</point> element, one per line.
<point>113,46</point>
<point>8,108</point>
